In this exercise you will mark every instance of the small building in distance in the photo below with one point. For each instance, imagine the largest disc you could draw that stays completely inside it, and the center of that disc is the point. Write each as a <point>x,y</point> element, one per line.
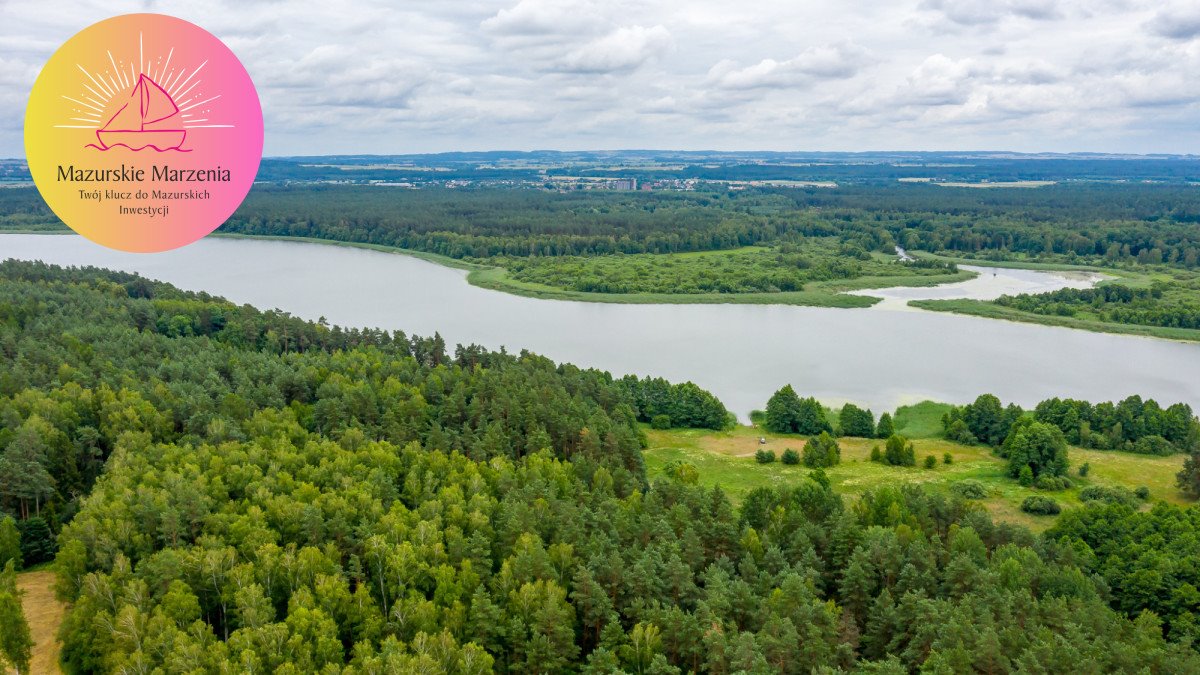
<point>625,184</point>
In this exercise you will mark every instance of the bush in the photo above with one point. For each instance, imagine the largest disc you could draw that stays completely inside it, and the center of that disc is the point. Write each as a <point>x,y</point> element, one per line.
<point>969,489</point>
<point>764,456</point>
<point>876,454</point>
<point>947,458</point>
<point>660,422</point>
<point>681,472</point>
<point>1040,506</point>
<point>1109,495</point>
<point>790,456</point>
<point>1052,483</point>
<point>1143,493</point>
<point>959,433</point>
<point>1154,445</point>
<point>1025,477</point>
<point>822,451</point>
<point>1083,470</point>
<point>899,452</point>
<point>930,462</point>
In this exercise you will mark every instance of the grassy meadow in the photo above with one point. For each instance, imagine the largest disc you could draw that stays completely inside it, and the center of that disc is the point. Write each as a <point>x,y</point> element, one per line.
<point>726,458</point>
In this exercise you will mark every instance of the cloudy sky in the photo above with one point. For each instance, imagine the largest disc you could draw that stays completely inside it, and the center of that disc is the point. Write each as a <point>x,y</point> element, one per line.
<point>399,77</point>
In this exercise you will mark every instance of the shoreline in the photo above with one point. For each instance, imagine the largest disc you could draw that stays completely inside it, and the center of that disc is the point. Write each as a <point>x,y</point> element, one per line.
<point>834,295</point>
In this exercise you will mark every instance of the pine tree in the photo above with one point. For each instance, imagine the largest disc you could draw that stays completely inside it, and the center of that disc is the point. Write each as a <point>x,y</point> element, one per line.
<point>37,541</point>
<point>822,451</point>
<point>783,411</point>
<point>811,419</point>
<point>858,585</point>
<point>881,624</point>
<point>885,428</point>
<point>854,421</point>
<point>22,474</point>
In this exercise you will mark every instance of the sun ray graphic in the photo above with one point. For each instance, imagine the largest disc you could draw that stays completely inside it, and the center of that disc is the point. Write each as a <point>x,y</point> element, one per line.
<point>141,101</point>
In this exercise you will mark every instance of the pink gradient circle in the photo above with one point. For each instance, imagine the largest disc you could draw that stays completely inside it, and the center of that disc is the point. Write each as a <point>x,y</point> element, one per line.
<point>143,132</point>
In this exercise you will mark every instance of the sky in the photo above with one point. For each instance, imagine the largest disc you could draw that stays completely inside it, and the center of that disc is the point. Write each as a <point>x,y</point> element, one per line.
<point>388,76</point>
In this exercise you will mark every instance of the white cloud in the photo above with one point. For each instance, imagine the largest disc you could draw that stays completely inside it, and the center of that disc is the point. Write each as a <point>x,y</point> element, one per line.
<point>542,17</point>
<point>840,60</point>
<point>623,49</point>
<point>939,80</point>
<point>980,12</point>
<point>1107,75</point>
<point>1182,23</point>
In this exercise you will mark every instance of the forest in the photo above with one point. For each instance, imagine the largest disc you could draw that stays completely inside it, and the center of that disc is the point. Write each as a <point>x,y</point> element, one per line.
<point>230,490</point>
<point>716,242</point>
<point>1160,305</point>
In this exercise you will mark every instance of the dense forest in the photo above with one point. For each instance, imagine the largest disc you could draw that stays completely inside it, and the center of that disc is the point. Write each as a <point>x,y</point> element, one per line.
<point>790,244</point>
<point>1132,425</point>
<point>1099,223</point>
<point>1117,223</point>
<point>241,491</point>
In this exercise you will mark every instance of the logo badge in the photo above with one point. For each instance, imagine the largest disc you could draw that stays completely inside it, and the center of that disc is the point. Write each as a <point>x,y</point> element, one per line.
<point>143,132</point>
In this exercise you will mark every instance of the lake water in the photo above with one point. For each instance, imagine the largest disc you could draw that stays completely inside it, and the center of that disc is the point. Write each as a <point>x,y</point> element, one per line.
<point>991,283</point>
<point>742,353</point>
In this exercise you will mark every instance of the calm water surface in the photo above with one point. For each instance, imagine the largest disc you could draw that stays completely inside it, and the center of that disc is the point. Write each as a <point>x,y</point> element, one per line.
<point>742,353</point>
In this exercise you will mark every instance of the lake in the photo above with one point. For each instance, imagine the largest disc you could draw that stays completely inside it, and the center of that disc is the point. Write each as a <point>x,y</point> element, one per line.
<point>742,353</point>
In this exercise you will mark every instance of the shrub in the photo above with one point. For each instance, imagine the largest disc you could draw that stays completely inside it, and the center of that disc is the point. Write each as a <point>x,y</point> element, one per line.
<point>930,462</point>
<point>1083,470</point>
<point>1025,477</point>
<point>682,472</point>
<point>1041,506</point>
<point>947,458</point>
<point>959,433</point>
<point>876,454</point>
<point>822,451</point>
<point>1108,495</point>
<point>1143,493</point>
<point>660,422</point>
<point>969,489</point>
<point>1052,483</point>
<point>899,452</point>
<point>764,456</point>
<point>1154,445</point>
<point>790,456</point>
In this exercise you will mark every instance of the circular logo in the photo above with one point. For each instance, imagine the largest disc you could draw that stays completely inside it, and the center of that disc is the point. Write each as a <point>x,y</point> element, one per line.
<point>143,132</point>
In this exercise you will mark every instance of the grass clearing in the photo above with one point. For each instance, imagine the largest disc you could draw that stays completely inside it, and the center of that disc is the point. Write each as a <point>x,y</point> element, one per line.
<point>920,420</point>
<point>45,614</point>
<point>726,458</point>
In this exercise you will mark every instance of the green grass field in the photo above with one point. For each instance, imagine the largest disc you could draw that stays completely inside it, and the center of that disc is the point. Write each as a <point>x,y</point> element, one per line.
<point>726,458</point>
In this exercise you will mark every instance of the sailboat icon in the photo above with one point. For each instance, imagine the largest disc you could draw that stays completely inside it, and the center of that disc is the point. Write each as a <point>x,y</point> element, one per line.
<point>149,119</point>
